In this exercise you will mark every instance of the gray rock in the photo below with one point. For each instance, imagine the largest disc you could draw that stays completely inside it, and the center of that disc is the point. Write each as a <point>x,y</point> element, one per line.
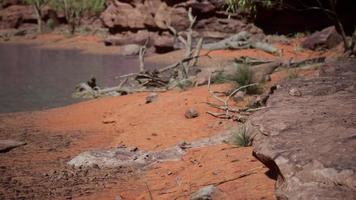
<point>295,92</point>
<point>191,113</point>
<point>239,96</point>
<point>7,145</point>
<point>204,193</point>
<point>151,97</point>
<point>259,72</point>
<point>326,39</point>
<point>130,49</point>
<point>310,141</point>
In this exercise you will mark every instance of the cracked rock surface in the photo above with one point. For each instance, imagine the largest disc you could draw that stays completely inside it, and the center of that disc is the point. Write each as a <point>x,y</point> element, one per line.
<point>310,140</point>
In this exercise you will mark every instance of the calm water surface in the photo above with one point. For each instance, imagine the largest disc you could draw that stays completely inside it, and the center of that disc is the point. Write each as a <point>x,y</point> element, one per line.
<point>34,78</point>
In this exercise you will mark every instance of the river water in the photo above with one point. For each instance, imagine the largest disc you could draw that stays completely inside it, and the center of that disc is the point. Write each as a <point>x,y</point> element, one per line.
<point>33,78</point>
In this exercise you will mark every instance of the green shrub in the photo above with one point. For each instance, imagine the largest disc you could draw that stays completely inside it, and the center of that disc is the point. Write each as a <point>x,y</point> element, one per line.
<point>220,77</point>
<point>51,24</point>
<point>248,6</point>
<point>241,138</point>
<point>74,10</point>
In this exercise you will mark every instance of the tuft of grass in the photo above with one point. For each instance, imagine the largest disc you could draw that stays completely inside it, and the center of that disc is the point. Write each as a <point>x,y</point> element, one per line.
<point>220,77</point>
<point>241,138</point>
<point>243,76</point>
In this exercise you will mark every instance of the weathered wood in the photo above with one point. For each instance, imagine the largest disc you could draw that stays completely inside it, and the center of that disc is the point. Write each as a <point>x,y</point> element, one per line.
<point>234,42</point>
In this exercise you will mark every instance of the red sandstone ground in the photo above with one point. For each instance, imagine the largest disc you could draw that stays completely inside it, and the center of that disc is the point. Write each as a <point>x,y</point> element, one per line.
<point>154,126</point>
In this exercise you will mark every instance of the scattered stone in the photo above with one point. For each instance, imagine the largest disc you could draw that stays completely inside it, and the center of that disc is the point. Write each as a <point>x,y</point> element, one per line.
<point>7,145</point>
<point>239,96</point>
<point>295,92</point>
<point>191,113</point>
<point>328,38</point>
<point>109,120</point>
<point>130,49</point>
<point>205,193</point>
<point>152,97</point>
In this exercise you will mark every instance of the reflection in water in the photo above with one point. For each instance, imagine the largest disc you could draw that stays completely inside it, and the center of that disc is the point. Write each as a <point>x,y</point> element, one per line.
<point>33,78</point>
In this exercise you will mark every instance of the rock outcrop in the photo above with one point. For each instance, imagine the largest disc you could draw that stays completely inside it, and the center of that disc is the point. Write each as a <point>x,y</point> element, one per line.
<point>133,22</point>
<point>13,16</point>
<point>325,39</point>
<point>7,145</point>
<point>309,140</point>
<point>126,21</point>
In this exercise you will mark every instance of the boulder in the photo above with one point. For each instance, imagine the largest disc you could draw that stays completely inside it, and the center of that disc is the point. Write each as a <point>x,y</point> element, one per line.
<point>328,38</point>
<point>125,38</point>
<point>310,141</point>
<point>7,3</point>
<point>13,16</point>
<point>7,145</point>
<point>130,49</point>
<point>220,28</point>
<point>175,17</point>
<point>164,43</point>
<point>202,8</point>
<point>124,16</point>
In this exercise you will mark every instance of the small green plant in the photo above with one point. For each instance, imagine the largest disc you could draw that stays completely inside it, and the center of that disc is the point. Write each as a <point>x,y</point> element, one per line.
<point>241,138</point>
<point>249,6</point>
<point>243,76</point>
<point>51,24</point>
<point>74,10</point>
<point>220,77</point>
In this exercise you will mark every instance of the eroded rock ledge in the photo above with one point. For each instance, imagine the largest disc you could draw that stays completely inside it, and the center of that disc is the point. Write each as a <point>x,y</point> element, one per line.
<point>310,140</point>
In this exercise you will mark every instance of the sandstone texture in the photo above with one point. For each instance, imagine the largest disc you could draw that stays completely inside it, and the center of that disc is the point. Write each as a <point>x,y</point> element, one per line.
<point>325,39</point>
<point>7,145</point>
<point>310,139</point>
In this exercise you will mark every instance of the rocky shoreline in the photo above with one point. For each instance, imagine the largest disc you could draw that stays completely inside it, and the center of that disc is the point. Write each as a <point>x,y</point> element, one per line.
<point>133,22</point>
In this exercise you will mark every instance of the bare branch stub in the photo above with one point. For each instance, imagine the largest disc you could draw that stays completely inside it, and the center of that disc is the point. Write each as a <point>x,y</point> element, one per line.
<point>142,53</point>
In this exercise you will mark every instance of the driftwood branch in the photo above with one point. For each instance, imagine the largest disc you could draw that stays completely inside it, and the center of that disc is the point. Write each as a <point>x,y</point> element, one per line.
<point>242,40</point>
<point>142,53</point>
<point>225,107</point>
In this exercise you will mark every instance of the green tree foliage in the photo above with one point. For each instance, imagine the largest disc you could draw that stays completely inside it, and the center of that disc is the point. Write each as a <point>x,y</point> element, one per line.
<point>74,10</point>
<point>248,6</point>
<point>38,5</point>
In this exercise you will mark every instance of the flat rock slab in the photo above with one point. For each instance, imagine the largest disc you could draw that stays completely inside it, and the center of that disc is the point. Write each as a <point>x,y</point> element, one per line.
<point>132,157</point>
<point>7,145</point>
<point>310,139</point>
